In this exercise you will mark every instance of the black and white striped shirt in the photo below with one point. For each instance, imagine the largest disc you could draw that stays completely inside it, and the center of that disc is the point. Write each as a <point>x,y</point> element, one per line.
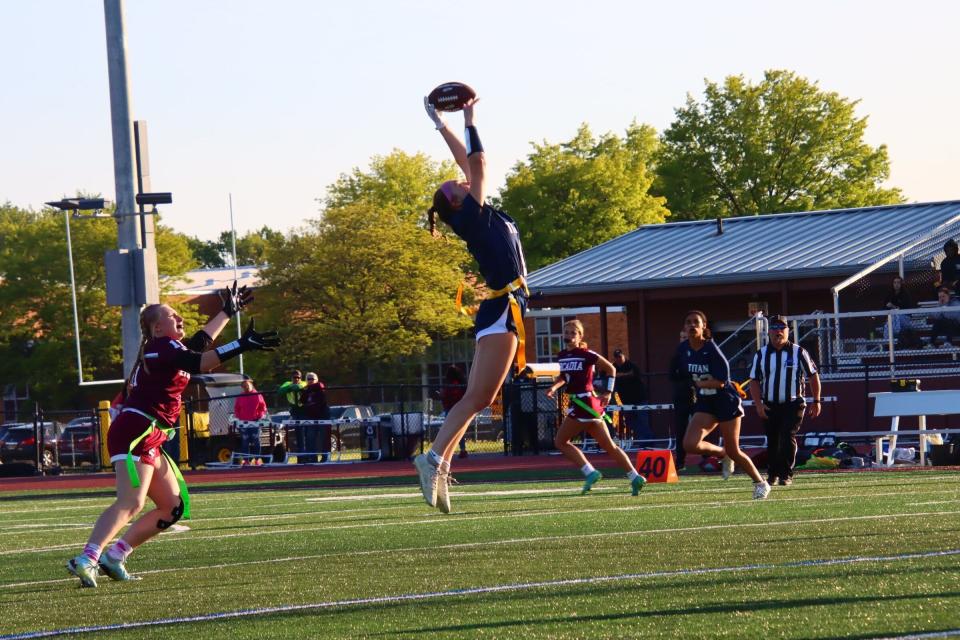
<point>781,374</point>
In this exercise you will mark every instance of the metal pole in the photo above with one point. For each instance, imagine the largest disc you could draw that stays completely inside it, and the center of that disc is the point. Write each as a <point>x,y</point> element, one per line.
<point>73,297</point>
<point>233,235</point>
<point>123,162</point>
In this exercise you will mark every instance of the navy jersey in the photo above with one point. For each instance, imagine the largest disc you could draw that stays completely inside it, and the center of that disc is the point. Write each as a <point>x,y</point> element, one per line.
<point>708,363</point>
<point>492,239</point>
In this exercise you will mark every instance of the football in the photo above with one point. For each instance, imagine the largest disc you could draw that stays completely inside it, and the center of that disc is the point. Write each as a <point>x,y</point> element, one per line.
<point>451,96</point>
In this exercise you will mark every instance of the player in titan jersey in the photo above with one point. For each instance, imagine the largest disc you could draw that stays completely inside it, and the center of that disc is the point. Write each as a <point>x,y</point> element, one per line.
<point>150,413</point>
<point>494,242</point>
<point>718,402</point>
<point>577,364</point>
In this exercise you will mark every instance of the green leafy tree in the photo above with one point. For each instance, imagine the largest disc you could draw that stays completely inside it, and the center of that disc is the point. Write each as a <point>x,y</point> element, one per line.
<point>209,254</point>
<point>399,183</point>
<point>780,145</point>
<point>571,196</point>
<point>253,247</point>
<point>363,287</point>
<point>37,348</point>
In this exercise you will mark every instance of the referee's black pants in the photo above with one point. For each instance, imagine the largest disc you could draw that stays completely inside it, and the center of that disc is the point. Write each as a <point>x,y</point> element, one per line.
<point>781,427</point>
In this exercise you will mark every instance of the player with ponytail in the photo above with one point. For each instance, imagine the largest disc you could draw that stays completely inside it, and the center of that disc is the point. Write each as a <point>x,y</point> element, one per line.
<point>586,410</point>
<point>494,242</point>
<point>150,413</point>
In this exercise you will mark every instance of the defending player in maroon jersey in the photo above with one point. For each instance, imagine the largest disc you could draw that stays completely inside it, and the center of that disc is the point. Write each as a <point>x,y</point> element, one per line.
<point>577,364</point>
<point>150,411</point>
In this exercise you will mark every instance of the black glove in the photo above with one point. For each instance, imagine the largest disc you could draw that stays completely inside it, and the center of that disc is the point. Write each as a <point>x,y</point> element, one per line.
<point>253,341</point>
<point>249,341</point>
<point>235,299</point>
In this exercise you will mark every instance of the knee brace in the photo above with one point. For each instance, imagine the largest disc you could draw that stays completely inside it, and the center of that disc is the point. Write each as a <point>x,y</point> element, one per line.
<point>176,514</point>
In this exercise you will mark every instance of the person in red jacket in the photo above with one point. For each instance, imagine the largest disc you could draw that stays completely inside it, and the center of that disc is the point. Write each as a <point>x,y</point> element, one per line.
<point>249,407</point>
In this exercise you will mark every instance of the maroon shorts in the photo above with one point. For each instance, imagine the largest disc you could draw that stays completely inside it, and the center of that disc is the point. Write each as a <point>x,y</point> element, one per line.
<point>128,427</point>
<point>581,414</point>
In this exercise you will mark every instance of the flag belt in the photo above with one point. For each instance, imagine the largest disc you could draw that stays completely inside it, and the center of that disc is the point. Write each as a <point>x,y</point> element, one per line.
<point>517,285</point>
<point>132,469</point>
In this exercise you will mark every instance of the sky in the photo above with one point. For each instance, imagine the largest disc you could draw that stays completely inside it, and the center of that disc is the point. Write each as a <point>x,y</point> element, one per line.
<point>272,101</point>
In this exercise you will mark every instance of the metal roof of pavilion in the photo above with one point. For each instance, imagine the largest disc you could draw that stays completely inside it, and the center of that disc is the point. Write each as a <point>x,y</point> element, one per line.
<point>781,246</point>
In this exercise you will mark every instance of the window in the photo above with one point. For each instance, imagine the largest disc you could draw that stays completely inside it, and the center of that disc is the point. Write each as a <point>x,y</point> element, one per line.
<point>549,336</point>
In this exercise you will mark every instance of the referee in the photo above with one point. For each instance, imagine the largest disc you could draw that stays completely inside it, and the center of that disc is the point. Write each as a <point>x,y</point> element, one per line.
<point>778,374</point>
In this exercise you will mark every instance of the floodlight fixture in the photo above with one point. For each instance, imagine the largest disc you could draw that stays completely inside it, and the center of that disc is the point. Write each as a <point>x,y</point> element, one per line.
<point>78,204</point>
<point>153,199</point>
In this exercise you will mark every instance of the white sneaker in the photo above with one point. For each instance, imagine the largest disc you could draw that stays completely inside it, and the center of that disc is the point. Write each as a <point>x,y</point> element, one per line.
<point>443,491</point>
<point>761,490</point>
<point>726,467</point>
<point>428,478</point>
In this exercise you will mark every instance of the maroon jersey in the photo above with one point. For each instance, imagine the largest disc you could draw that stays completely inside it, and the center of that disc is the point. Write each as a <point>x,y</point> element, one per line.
<point>157,388</point>
<point>576,365</point>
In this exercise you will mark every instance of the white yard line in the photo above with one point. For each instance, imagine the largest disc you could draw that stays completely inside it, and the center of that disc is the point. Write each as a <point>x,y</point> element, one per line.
<point>472,591</point>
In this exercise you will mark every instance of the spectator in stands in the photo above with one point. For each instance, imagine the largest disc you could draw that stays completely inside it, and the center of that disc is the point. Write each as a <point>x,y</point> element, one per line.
<point>897,298</point>
<point>684,397</point>
<point>944,324</point>
<point>454,386</point>
<point>249,407</point>
<point>632,392</point>
<point>947,274</point>
<point>313,400</point>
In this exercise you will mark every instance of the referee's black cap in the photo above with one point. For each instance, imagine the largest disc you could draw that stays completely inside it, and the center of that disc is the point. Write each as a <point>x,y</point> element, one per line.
<point>778,322</point>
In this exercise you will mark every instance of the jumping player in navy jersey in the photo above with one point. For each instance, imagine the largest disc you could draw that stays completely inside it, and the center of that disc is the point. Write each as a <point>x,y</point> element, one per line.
<point>494,242</point>
<point>718,402</point>
<point>576,371</point>
<point>150,410</point>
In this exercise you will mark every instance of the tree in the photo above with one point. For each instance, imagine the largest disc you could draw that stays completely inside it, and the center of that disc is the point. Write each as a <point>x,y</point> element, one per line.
<point>35,301</point>
<point>207,253</point>
<point>571,196</point>
<point>780,145</point>
<point>399,183</point>
<point>363,286</point>
<point>253,247</point>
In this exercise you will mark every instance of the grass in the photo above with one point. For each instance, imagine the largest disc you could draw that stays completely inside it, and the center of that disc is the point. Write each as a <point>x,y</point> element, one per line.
<point>698,559</point>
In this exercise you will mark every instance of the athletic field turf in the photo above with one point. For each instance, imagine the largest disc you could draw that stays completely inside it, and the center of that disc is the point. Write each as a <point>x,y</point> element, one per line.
<point>845,555</point>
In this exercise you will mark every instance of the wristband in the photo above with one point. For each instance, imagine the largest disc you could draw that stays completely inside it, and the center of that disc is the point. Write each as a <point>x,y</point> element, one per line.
<point>229,350</point>
<point>472,139</point>
<point>611,381</point>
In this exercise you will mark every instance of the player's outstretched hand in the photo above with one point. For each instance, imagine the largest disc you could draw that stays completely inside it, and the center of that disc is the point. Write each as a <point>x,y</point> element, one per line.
<point>468,111</point>
<point>235,299</point>
<point>433,114</point>
<point>253,341</point>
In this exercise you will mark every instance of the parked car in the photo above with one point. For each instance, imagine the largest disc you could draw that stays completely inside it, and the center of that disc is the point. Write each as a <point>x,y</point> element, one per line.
<point>353,432</point>
<point>20,444</point>
<point>78,442</point>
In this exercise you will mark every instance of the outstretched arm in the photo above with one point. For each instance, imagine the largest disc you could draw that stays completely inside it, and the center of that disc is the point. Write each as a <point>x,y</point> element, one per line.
<point>457,148</point>
<point>476,159</point>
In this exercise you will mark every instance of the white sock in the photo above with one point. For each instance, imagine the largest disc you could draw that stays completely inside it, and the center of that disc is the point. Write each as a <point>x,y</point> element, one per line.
<point>434,459</point>
<point>120,550</point>
<point>587,469</point>
<point>444,466</point>
<point>633,475</point>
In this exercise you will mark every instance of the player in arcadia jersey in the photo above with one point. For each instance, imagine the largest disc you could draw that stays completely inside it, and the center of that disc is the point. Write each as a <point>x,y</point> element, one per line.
<point>577,364</point>
<point>150,411</point>
<point>718,402</point>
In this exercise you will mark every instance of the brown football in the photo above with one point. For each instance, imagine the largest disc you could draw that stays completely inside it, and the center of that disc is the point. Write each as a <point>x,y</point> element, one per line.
<point>451,96</point>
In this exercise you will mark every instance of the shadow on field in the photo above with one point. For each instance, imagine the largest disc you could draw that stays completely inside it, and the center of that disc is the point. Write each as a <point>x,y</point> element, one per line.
<point>779,604</point>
